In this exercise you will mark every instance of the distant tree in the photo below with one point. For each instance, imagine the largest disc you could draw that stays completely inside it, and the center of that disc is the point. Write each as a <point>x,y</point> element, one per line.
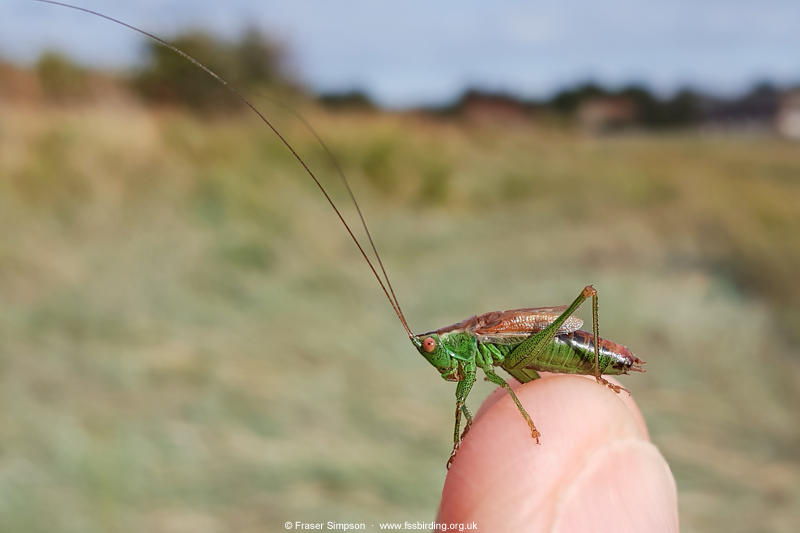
<point>684,108</point>
<point>763,89</point>
<point>648,111</point>
<point>652,112</point>
<point>347,101</point>
<point>567,101</point>
<point>680,110</point>
<point>260,61</point>
<point>168,79</point>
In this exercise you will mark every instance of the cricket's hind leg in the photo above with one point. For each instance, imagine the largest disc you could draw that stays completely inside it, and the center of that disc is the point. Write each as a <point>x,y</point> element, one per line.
<point>616,388</point>
<point>529,350</point>
<point>596,332</point>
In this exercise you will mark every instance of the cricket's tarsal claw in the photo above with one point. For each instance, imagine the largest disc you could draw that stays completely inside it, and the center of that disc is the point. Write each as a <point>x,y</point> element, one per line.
<point>534,432</point>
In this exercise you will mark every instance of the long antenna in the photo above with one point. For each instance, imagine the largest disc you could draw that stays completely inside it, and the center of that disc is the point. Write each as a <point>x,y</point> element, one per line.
<point>339,170</point>
<point>392,298</point>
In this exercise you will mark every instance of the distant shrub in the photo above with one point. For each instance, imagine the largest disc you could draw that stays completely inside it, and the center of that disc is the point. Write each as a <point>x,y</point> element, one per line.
<point>378,165</point>
<point>435,183</point>
<point>62,80</point>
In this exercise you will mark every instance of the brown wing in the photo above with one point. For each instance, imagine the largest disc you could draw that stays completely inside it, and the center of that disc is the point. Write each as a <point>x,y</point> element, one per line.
<point>509,326</point>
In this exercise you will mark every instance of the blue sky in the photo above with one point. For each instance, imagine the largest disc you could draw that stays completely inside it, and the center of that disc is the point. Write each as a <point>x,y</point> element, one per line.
<point>426,52</point>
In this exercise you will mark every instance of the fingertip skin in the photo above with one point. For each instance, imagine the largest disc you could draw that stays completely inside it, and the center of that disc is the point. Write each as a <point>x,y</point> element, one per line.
<point>503,480</point>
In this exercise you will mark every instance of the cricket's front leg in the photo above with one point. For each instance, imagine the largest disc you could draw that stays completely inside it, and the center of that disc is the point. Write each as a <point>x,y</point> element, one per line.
<point>462,391</point>
<point>497,380</point>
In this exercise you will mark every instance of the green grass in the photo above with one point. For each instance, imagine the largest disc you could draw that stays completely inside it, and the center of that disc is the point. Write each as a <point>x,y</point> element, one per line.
<point>188,341</point>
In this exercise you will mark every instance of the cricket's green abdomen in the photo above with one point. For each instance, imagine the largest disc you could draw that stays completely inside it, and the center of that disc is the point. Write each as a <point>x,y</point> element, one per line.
<point>573,353</point>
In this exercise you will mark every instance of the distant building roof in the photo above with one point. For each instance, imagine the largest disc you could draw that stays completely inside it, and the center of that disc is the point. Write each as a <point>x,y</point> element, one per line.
<point>605,113</point>
<point>788,118</point>
<point>488,107</point>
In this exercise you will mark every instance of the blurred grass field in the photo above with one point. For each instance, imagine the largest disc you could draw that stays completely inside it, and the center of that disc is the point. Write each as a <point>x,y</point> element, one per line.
<point>190,343</point>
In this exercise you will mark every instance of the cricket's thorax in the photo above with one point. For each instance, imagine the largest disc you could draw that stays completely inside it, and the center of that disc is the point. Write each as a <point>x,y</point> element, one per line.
<point>461,345</point>
<point>448,352</point>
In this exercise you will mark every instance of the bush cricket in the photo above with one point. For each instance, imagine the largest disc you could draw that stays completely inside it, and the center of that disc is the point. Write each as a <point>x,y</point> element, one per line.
<point>521,341</point>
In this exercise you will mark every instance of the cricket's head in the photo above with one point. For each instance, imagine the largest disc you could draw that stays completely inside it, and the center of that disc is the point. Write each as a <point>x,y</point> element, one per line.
<point>430,346</point>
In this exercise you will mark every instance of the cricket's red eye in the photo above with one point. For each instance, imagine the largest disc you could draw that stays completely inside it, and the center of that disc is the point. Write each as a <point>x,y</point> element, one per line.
<point>429,344</point>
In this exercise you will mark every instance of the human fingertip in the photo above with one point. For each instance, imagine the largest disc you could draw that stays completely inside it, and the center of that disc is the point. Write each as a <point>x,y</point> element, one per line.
<point>625,486</point>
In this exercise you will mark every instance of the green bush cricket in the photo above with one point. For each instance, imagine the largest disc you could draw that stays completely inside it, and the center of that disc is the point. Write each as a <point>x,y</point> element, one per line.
<point>522,342</point>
